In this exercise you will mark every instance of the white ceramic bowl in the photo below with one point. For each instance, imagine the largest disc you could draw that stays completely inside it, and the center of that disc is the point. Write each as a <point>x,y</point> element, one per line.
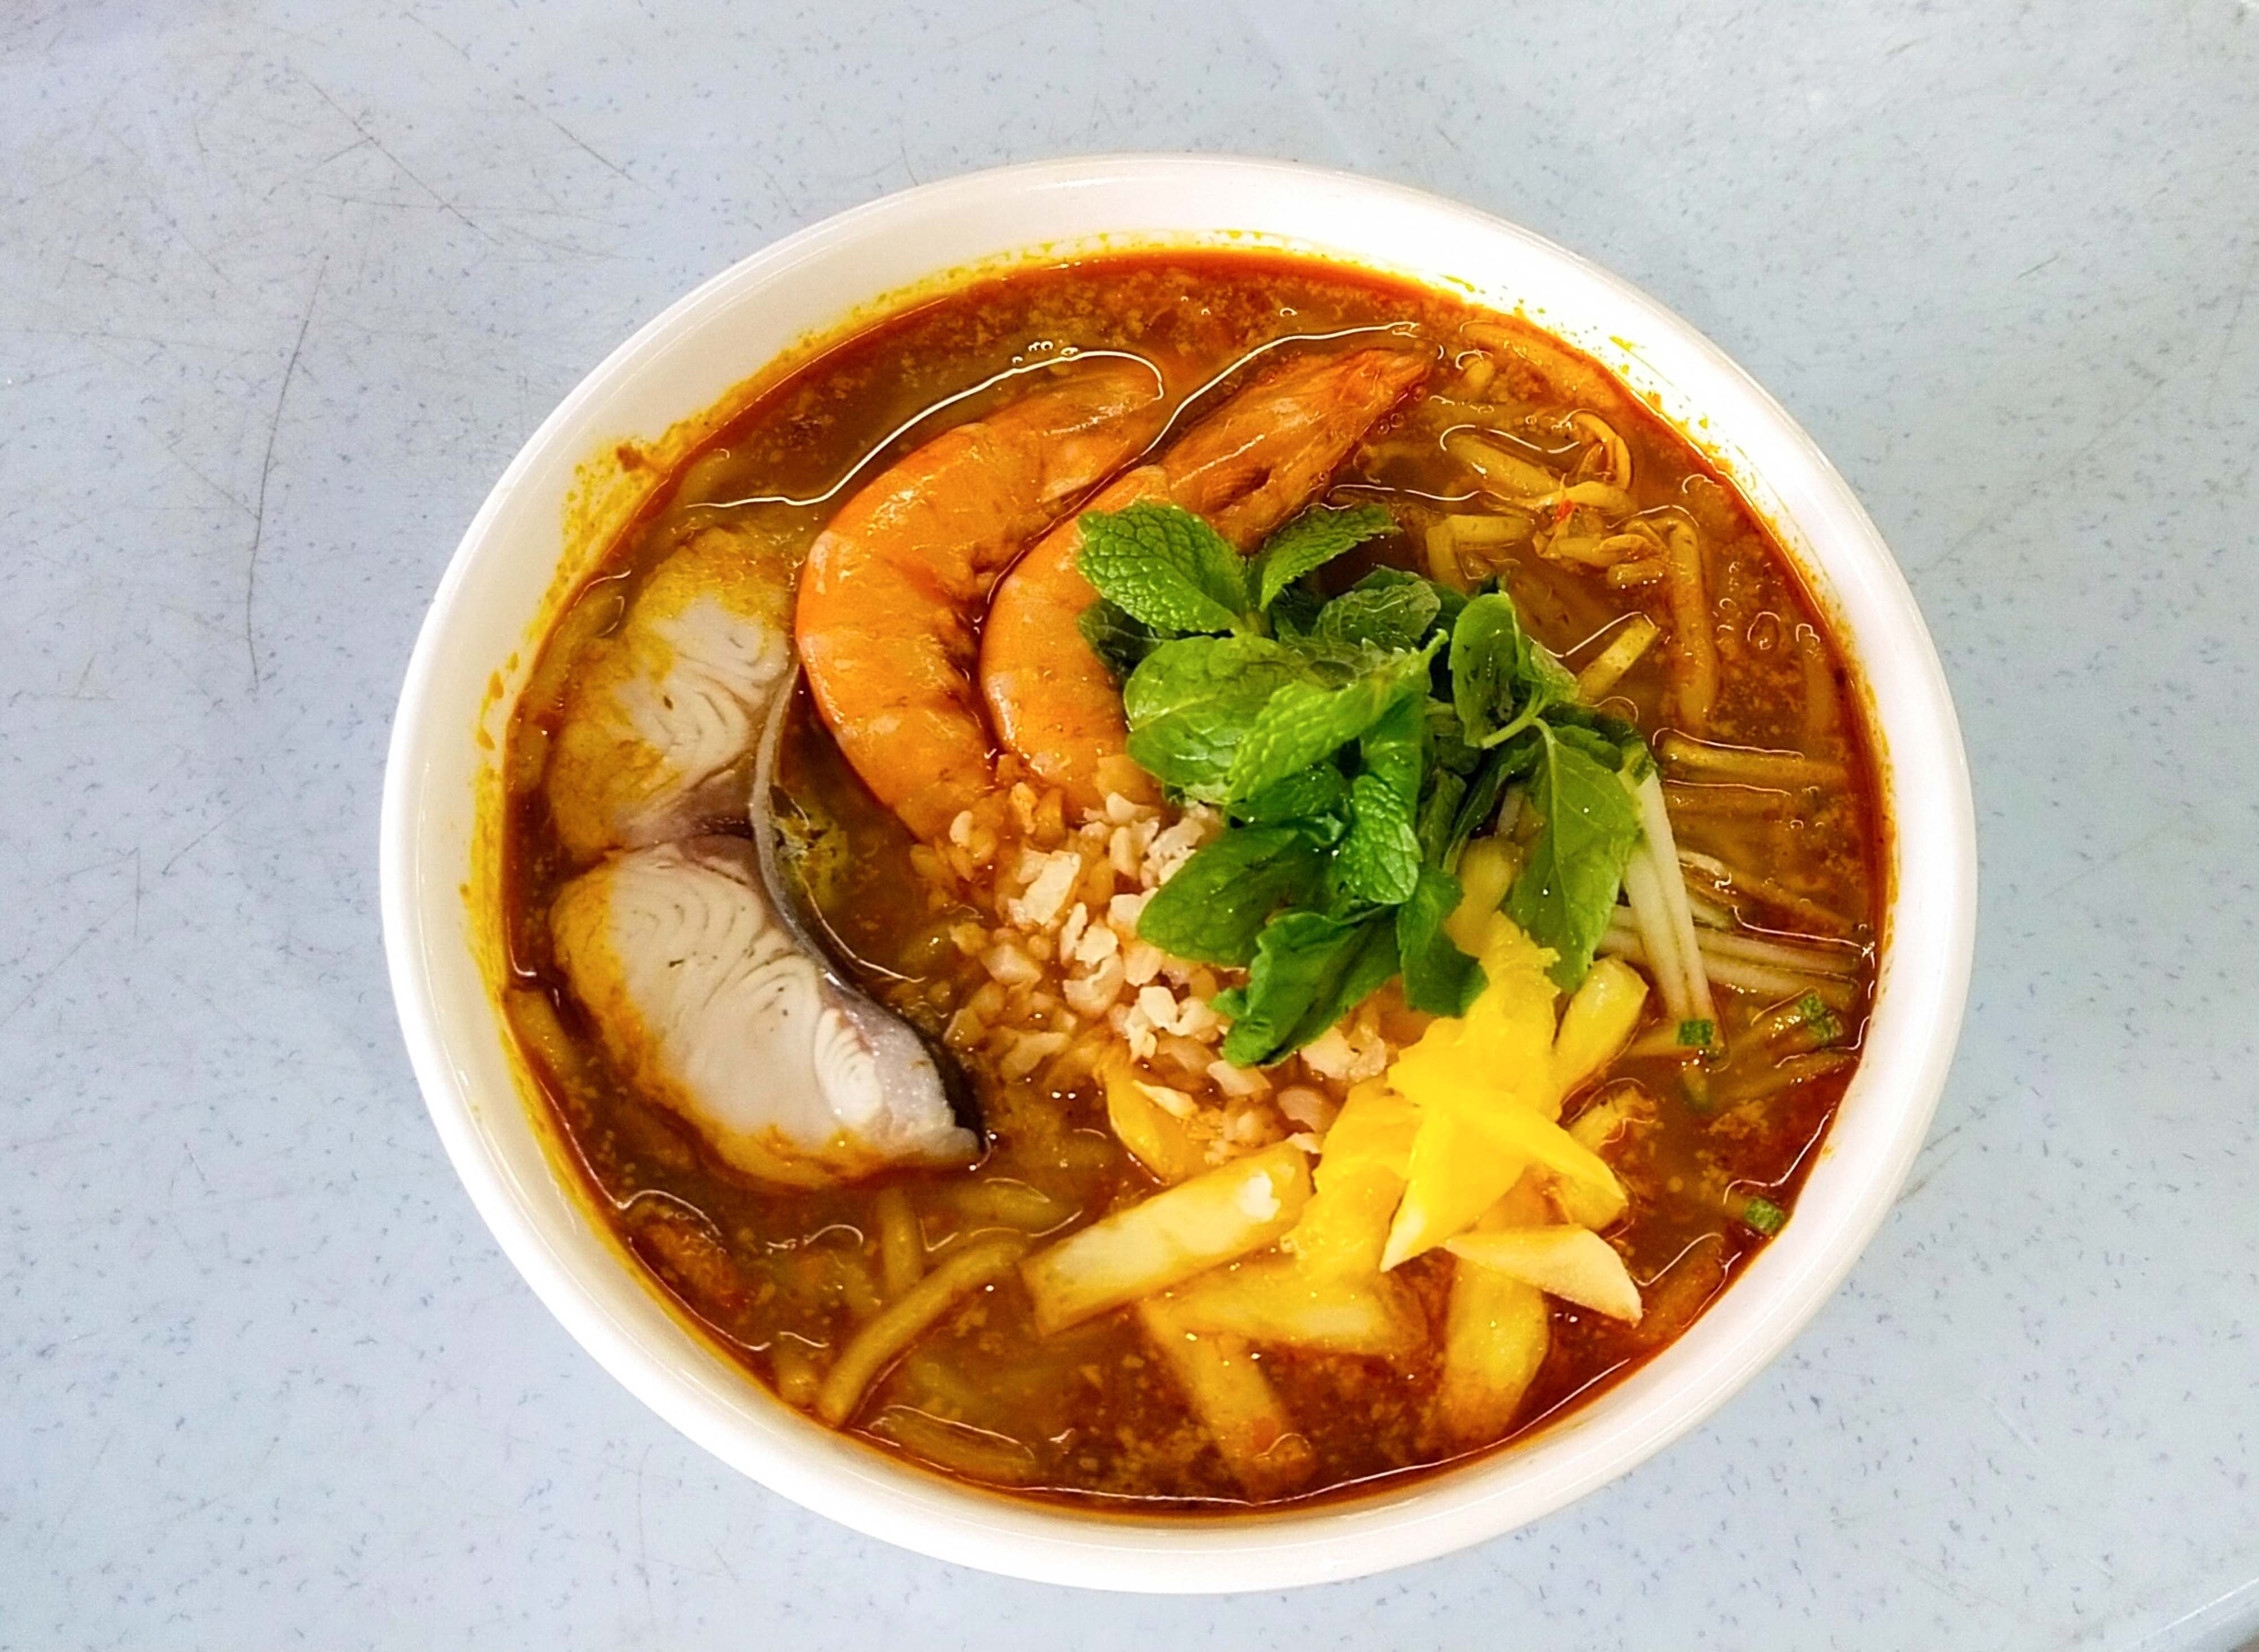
<point>439,858</point>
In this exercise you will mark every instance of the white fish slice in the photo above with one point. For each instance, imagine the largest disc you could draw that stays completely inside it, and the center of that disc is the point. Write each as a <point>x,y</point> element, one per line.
<point>659,726</point>
<point>706,1004</point>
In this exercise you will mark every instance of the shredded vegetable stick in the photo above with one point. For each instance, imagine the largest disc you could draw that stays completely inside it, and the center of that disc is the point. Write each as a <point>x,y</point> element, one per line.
<point>1496,1333</point>
<point>1610,501</point>
<point>1359,1179</point>
<point>1732,799</point>
<point>1626,941</point>
<point>1695,648</point>
<point>1622,652</point>
<point>1617,452</point>
<point>1785,1074</point>
<point>1217,1217</point>
<point>1488,531</point>
<point>1810,960</point>
<point>1612,1113</point>
<point>901,1246</point>
<point>1508,475</point>
<point>1823,705</point>
<point>1443,555</point>
<point>1709,761</point>
<point>1155,1137</point>
<point>1235,1403</point>
<point>978,1454</point>
<point>1278,1300</point>
<point>1663,851</point>
<point>901,1323</point>
<point>797,1378</point>
<point>1658,947</point>
<point>1598,1022</point>
<point>1763,889</point>
<point>1574,1264</point>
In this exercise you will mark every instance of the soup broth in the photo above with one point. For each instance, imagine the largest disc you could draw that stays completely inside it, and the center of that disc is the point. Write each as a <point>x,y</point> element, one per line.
<point>1517,465</point>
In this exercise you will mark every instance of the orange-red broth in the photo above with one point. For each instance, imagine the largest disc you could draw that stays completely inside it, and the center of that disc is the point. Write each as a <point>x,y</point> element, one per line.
<point>783,1277</point>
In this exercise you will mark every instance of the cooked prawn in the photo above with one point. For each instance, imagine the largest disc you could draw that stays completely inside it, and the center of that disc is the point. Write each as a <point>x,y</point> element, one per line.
<point>893,589</point>
<point>1260,458</point>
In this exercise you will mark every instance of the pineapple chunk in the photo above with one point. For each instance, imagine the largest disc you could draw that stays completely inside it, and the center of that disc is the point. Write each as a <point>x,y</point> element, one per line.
<point>1156,1138</point>
<point>1573,1263</point>
<point>1228,1392</point>
<point>1359,1178</point>
<point>1496,1334</point>
<point>1218,1216</point>
<point>1590,1195</point>
<point>1500,1054</point>
<point>1276,1299</point>
<point>1457,1174</point>
<point>1613,1111</point>
<point>1486,872</point>
<point>1374,1127</point>
<point>1489,1071</point>
<point>1598,1022</point>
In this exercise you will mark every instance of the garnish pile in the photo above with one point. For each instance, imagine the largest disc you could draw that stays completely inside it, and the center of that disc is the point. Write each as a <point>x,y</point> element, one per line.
<point>1354,745</point>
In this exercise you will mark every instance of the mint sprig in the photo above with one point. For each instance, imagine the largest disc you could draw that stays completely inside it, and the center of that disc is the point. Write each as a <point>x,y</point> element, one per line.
<point>1167,568</point>
<point>1309,542</point>
<point>1356,743</point>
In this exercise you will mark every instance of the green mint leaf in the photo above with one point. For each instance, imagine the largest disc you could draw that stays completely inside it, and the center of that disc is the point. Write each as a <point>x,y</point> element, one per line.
<point>1500,769</point>
<point>1762,1215</point>
<point>1120,641</point>
<point>1454,602</point>
<point>1395,614</point>
<point>1212,908</point>
<point>1394,749</point>
<point>1163,566</point>
<point>1377,862</point>
<point>1294,610</point>
<point>1609,740</point>
<point>1590,826</point>
<point>1310,541</point>
<point>1447,741</point>
<point>1192,701</point>
<point>1310,970</point>
<point>1438,978</point>
<point>1446,791</point>
<point>1302,722</point>
<point>1501,678</point>
<point>1312,799</point>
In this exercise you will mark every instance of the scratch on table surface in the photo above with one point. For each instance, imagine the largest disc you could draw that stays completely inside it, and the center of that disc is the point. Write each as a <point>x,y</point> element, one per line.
<point>166,870</point>
<point>2021,1438</point>
<point>566,133</point>
<point>1015,22</point>
<point>40,980</point>
<point>2047,896</point>
<point>405,169</point>
<point>643,1541</point>
<point>2226,347</point>
<point>1926,1178</point>
<point>78,1492</point>
<point>266,470</point>
<point>178,459</point>
<point>2021,496</point>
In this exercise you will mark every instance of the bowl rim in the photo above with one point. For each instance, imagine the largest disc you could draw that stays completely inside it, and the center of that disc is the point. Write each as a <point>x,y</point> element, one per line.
<point>1331,1539</point>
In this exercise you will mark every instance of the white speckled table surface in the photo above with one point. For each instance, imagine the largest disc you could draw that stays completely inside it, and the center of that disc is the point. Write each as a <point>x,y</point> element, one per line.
<point>283,287</point>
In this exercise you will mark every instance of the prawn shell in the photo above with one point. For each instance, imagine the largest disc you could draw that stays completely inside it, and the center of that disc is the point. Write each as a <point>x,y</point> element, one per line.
<point>1269,451</point>
<point>885,623</point>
